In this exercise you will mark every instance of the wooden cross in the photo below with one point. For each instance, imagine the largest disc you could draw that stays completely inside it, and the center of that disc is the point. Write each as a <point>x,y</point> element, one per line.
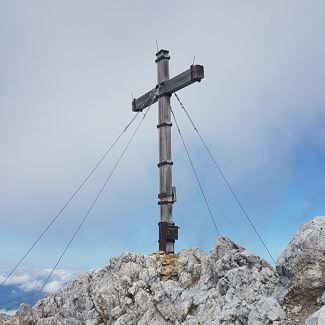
<point>168,232</point>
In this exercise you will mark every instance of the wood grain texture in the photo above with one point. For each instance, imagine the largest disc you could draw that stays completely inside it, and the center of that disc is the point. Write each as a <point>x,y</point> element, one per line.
<point>168,86</point>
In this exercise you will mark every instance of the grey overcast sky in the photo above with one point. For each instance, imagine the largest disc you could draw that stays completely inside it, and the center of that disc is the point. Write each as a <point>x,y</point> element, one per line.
<point>67,71</point>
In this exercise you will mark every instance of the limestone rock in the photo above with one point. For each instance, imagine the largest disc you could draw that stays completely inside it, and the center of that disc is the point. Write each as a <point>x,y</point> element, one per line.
<point>322,298</point>
<point>318,318</point>
<point>230,286</point>
<point>266,311</point>
<point>301,266</point>
<point>7,320</point>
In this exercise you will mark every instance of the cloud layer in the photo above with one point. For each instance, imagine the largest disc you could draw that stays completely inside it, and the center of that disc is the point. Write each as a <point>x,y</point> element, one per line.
<point>67,73</point>
<point>24,286</point>
<point>33,279</point>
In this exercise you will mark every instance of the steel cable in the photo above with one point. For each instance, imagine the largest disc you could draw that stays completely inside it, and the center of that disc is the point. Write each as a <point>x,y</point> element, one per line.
<point>74,193</point>
<point>226,181</point>
<point>94,201</point>
<point>196,175</point>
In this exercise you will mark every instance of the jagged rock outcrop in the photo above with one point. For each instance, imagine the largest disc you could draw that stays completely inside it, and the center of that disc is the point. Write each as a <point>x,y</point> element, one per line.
<point>301,266</point>
<point>4,319</point>
<point>301,269</point>
<point>229,286</point>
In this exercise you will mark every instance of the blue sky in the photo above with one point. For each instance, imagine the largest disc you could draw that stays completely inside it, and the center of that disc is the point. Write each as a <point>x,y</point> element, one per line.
<point>67,73</point>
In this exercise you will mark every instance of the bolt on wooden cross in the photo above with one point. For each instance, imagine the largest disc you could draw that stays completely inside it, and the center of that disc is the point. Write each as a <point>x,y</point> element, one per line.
<point>168,232</point>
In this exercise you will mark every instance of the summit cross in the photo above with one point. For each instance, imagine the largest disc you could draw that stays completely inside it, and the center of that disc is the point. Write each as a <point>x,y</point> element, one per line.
<point>165,87</point>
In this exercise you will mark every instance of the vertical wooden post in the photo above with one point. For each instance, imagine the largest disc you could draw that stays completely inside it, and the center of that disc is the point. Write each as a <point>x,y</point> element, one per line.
<point>166,195</point>
<point>168,232</point>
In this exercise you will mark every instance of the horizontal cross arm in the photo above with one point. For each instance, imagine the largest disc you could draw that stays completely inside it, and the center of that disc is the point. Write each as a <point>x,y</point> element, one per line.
<point>149,98</point>
<point>184,79</point>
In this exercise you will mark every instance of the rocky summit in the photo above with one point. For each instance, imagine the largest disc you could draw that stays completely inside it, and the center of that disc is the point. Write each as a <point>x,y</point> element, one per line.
<point>228,286</point>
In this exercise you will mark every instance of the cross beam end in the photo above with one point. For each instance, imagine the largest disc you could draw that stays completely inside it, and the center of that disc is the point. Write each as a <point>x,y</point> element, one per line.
<point>193,74</point>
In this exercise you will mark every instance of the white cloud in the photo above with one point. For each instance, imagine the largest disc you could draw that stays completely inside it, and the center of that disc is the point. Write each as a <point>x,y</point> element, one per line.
<point>31,285</point>
<point>59,274</point>
<point>16,279</point>
<point>33,279</point>
<point>8,312</point>
<point>54,286</point>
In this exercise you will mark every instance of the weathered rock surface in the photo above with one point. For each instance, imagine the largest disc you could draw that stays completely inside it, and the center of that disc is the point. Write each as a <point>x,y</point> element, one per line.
<point>229,286</point>
<point>318,318</point>
<point>301,269</point>
<point>301,266</point>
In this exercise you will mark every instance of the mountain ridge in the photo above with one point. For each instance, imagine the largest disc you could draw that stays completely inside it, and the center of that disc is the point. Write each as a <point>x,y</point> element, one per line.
<point>229,285</point>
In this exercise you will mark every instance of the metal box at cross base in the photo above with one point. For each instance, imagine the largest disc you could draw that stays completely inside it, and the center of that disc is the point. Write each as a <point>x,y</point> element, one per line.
<point>168,232</point>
